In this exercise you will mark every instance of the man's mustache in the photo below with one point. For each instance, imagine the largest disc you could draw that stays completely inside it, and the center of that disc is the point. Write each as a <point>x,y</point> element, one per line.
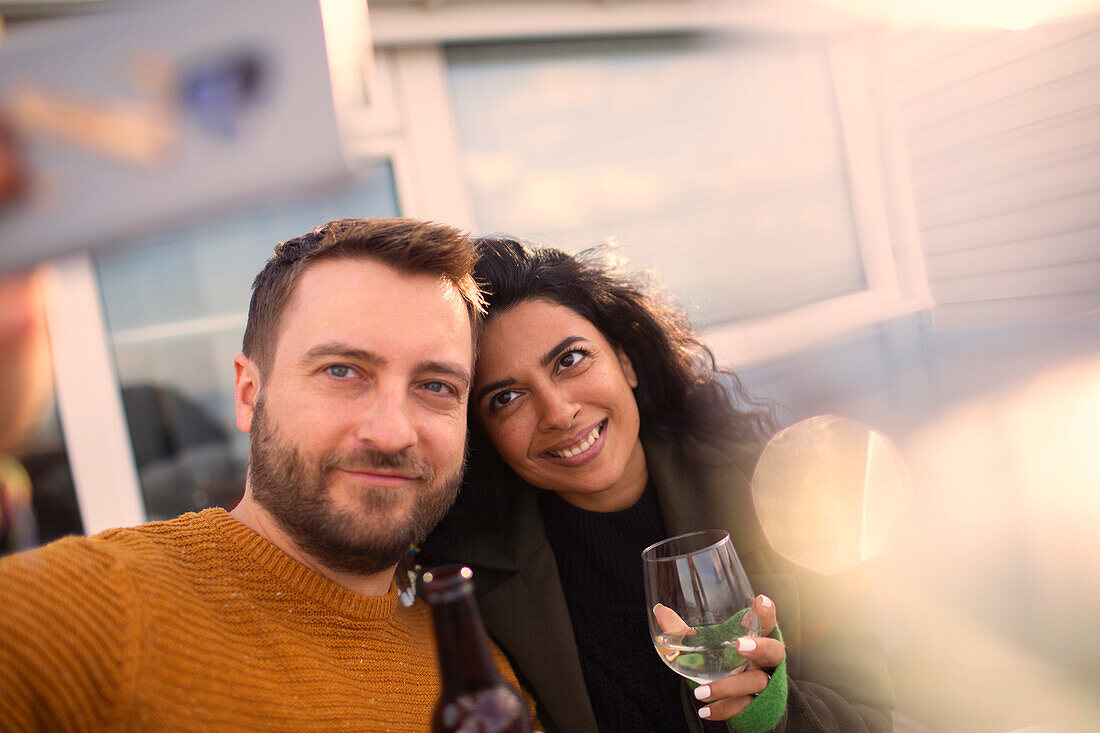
<point>369,459</point>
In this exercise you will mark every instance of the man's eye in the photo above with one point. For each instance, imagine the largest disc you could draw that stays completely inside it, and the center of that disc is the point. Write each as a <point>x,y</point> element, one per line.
<point>440,388</point>
<point>340,371</point>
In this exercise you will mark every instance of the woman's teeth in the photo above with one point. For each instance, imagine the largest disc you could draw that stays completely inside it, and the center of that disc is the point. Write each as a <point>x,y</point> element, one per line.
<point>580,447</point>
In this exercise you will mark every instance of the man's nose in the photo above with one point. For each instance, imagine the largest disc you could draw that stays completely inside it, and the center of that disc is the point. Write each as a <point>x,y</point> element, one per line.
<point>387,423</point>
<point>557,410</point>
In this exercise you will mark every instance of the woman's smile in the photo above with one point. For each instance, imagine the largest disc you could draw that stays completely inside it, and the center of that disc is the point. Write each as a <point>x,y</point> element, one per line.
<point>575,452</point>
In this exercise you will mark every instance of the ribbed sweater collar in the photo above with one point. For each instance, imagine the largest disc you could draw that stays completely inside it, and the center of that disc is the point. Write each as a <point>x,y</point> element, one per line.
<point>248,551</point>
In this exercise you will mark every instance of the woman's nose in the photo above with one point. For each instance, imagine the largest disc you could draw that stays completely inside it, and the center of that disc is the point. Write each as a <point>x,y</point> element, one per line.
<point>557,410</point>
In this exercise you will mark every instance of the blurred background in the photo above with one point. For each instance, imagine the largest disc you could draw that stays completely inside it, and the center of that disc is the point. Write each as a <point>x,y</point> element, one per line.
<point>885,211</point>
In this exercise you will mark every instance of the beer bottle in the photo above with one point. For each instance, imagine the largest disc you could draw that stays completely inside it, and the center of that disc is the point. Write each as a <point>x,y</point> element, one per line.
<point>475,697</point>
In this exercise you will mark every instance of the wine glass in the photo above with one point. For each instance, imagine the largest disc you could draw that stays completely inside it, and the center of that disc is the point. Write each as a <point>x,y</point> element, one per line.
<point>700,604</point>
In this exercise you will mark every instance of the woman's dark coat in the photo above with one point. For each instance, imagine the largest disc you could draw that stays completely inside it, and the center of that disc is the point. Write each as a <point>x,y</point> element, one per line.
<point>836,666</point>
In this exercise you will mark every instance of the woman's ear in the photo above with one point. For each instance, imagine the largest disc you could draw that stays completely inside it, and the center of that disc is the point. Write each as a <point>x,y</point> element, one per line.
<point>627,367</point>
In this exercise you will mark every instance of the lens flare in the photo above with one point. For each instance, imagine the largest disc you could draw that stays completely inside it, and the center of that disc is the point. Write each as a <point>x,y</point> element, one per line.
<point>827,490</point>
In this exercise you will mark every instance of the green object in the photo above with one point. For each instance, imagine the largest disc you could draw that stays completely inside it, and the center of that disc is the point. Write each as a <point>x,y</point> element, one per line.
<point>716,634</point>
<point>765,711</point>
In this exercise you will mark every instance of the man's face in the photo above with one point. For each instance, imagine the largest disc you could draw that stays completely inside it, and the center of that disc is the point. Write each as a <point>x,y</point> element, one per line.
<point>359,428</point>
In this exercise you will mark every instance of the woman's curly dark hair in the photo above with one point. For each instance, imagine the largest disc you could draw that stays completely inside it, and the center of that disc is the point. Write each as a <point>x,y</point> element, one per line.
<point>682,393</point>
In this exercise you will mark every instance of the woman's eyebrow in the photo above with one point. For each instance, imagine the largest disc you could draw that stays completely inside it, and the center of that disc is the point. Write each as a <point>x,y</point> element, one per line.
<point>493,386</point>
<point>557,349</point>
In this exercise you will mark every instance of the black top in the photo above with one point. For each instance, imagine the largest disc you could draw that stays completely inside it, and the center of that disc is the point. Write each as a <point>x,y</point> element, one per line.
<point>599,557</point>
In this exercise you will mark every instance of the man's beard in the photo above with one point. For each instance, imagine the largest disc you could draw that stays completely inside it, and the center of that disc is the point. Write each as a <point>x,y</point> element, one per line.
<point>296,494</point>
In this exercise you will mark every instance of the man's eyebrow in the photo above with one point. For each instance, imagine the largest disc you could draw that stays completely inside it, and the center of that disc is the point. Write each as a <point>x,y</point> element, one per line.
<point>557,349</point>
<point>445,367</point>
<point>342,351</point>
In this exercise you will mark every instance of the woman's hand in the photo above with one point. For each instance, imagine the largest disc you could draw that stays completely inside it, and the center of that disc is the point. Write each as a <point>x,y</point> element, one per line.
<point>729,696</point>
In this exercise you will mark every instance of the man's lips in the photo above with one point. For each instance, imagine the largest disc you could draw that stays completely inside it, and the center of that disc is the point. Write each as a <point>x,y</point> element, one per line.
<point>380,478</point>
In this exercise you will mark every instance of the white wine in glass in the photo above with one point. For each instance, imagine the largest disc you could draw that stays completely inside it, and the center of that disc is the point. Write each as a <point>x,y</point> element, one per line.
<point>700,604</point>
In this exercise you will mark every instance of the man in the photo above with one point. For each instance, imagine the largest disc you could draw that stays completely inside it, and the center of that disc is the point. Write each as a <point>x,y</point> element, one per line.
<point>283,614</point>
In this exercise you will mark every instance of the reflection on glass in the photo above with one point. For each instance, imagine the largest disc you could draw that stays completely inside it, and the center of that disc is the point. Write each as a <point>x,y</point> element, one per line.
<point>52,490</point>
<point>827,490</point>
<point>176,308</point>
<point>717,161</point>
<point>37,495</point>
<point>700,604</point>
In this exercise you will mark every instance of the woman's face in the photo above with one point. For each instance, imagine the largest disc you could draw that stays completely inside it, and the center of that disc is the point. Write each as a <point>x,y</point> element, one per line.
<point>555,398</point>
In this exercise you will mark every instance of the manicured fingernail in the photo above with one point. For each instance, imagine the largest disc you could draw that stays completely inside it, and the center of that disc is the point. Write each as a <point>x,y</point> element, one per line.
<point>765,602</point>
<point>702,693</point>
<point>746,644</point>
<point>704,712</point>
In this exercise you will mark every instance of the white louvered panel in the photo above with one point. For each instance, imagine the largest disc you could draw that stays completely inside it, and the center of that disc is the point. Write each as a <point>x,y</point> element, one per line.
<point>1039,102</point>
<point>918,57</point>
<point>928,61</point>
<point>1004,143</point>
<point>1004,191</point>
<point>1058,249</point>
<point>1034,221</point>
<point>1031,282</point>
<point>1005,158</point>
<point>1071,308</point>
<point>1012,87</point>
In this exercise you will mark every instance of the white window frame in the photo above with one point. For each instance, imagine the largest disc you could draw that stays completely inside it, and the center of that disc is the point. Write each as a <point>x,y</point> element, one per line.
<point>89,399</point>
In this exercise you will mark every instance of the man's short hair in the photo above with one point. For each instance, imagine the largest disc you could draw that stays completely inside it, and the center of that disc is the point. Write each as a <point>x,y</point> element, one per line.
<point>407,245</point>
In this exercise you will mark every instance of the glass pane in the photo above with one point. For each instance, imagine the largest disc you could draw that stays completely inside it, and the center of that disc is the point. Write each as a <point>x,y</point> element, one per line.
<point>717,161</point>
<point>176,308</point>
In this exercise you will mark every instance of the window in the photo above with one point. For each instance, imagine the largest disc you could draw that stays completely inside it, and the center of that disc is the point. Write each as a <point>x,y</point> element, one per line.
<point>758,175</point>
<point>717,161</point>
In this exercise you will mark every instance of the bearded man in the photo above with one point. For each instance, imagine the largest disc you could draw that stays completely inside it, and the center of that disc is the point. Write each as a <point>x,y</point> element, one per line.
<point>283,614</point>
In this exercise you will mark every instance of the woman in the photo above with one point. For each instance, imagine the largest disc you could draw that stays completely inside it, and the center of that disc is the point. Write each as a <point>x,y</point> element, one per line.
<point>600,424</point>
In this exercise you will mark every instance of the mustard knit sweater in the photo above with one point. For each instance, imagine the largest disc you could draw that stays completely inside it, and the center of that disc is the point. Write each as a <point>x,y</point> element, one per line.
<point>199,624</point>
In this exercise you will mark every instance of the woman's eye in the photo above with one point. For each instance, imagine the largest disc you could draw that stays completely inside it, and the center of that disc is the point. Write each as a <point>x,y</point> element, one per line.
<point>340,371</point>
<point>571,358</point>
<point>501,399</point>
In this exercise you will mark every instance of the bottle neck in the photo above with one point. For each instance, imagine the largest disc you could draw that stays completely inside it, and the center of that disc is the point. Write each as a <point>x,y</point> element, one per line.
<point>465,663</point>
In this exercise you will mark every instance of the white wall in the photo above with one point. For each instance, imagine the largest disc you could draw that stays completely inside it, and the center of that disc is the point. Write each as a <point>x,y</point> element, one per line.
<point>1001,134</point>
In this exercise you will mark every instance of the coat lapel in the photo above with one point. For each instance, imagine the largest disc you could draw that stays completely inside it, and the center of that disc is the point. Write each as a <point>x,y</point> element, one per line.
<point>708,492</point>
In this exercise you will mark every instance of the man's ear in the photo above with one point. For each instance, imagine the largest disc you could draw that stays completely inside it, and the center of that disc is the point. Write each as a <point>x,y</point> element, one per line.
<point>246,391</point>
<point>628,368</point>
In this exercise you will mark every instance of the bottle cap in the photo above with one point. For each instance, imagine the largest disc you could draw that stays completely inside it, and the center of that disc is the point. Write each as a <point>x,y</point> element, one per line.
<point>447,583</point>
